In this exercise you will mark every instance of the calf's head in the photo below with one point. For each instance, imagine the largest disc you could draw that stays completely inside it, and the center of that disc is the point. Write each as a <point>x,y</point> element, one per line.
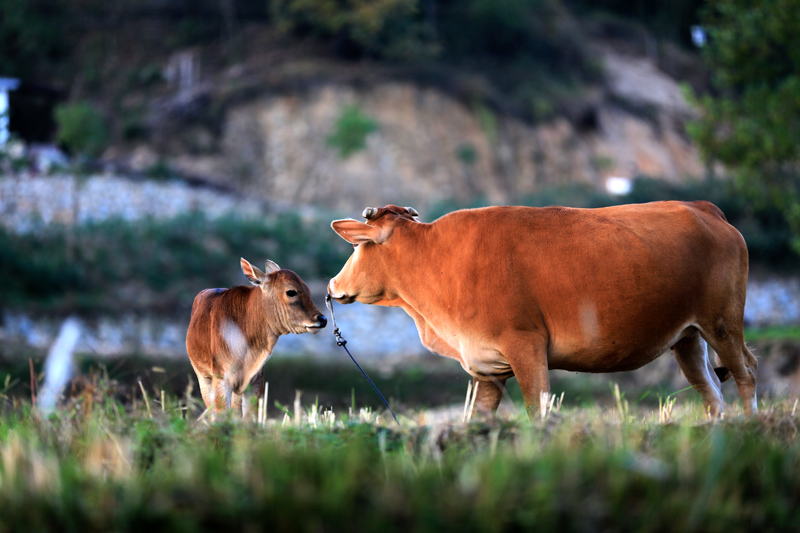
<point>366,277</point>
<point>286,298</point>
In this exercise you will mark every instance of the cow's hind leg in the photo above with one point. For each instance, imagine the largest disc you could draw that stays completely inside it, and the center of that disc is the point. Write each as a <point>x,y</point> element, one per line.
<point>527,356</point>
<point>692,356</point>
<point>728,342</point>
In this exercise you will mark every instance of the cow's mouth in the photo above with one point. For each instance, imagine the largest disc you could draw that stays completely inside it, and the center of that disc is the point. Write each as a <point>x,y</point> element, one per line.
<point>344,299</point>
<point>314,329</point>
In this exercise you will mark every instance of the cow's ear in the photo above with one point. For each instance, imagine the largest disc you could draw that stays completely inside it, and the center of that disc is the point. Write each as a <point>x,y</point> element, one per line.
<point>356,232</point>
<point>253,274</point>
<point>270,267</point>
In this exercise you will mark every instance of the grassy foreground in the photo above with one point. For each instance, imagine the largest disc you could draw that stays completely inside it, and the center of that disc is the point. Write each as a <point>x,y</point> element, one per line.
<point>100,465</point>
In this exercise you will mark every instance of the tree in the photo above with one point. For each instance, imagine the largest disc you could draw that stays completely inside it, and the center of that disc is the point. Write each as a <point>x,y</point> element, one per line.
<point>751,123</point>
<point>82,131</point>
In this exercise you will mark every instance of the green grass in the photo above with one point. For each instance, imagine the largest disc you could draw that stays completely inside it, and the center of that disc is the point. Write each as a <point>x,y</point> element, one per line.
<point>102,462</point>
<point>772,333</point>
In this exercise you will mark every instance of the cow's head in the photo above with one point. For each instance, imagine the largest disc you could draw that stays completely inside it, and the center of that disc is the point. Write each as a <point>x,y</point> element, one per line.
<point>365,276</point>
<point>288,296</point>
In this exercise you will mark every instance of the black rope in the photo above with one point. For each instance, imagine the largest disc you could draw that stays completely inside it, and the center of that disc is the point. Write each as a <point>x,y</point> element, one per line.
<point>341,342</point>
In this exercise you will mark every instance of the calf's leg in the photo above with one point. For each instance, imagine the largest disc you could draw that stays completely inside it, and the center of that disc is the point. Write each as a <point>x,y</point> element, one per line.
<point>205,389</point>
<point>221,394</point>
<point>237,402</point>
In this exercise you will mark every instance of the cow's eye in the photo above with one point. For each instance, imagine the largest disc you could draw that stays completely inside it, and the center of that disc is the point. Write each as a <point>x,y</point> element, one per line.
<point>291,293</point>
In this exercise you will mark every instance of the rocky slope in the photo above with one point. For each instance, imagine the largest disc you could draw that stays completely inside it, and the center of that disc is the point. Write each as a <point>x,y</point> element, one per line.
<point>430,146</point>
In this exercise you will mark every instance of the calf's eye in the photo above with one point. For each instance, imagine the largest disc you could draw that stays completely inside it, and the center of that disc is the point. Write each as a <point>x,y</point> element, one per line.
<point>291,293</point>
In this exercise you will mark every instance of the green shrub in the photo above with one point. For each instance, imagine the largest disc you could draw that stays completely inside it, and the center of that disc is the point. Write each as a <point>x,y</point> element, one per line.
<point>350,132</point>
<point>81,129</point>
<point>467,154</point>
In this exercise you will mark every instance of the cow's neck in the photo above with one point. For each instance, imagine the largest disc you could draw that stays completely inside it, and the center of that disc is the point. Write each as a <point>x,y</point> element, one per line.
<point>418,281</point>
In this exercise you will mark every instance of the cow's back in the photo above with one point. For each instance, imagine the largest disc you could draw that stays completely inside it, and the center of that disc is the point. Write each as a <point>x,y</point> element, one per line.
<point>612,283</point>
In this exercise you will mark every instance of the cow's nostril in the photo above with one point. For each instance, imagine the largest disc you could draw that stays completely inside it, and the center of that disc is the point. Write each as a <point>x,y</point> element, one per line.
<point>322,321</point>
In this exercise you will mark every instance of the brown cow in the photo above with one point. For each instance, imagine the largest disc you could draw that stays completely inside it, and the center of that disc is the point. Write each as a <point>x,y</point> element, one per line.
<point>233,331</point>
<point>520,290</point>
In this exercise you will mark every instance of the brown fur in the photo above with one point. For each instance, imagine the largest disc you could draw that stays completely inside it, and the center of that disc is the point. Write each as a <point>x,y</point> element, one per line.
<point>518,290</point>
<point>232,332</point>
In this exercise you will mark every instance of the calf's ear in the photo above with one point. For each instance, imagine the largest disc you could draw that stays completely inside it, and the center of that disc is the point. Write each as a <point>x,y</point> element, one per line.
<point>270,267</point>
<point>253,274</point>
<point>356,232</point>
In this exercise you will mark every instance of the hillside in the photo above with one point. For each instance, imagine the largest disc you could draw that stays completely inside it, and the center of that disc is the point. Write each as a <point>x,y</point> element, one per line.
<point>394,104</point>
<point>282,130</point>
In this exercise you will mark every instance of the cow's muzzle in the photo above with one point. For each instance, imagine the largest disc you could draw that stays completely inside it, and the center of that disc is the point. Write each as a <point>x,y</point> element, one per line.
<point>341,297</point>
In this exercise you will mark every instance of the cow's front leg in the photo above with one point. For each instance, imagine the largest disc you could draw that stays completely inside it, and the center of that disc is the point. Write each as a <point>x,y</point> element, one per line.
<point>528,359</point>
<point>488,394</point>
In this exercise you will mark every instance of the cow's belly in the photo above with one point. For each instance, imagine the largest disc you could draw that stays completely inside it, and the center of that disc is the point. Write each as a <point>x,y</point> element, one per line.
<point>622,353</point>
<point>479,360</point>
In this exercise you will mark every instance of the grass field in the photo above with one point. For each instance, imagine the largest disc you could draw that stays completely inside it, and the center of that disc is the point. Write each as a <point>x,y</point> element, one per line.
<point>110,461</point>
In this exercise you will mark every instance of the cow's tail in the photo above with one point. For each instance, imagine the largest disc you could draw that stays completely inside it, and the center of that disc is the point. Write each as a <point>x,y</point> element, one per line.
<point>722,373</point>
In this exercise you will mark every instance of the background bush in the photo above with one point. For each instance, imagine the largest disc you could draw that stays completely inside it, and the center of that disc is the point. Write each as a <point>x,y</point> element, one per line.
<point>155,266</point>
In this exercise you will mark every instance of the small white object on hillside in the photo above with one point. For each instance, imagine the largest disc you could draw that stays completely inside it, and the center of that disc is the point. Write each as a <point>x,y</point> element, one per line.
<point>618,186</point>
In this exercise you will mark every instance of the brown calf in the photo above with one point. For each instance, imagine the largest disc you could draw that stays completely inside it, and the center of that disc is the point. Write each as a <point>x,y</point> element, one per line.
<point>233,331</point>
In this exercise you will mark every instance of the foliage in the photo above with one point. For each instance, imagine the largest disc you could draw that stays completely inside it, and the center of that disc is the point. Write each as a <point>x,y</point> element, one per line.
<point>30,34</point>
<point>156,265</point>
<point>350,132</point>
<point>753,122</point>
<point>97,464</point>
<point>378,28</point>
<point>507,29</point>
<point>533,51</point>
<point>669,19</point>
<point>81,129</point>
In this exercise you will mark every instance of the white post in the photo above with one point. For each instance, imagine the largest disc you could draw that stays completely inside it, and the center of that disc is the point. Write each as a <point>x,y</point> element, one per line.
<point>3,116</point>
<point>6,84</point>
